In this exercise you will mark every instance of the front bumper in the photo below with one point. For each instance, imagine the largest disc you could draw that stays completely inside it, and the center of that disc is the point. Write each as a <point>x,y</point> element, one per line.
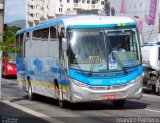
<point>132,90</point>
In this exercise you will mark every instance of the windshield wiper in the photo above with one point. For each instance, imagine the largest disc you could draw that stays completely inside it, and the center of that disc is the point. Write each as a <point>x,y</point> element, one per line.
<point>118,59</point>
<point>93,63</point>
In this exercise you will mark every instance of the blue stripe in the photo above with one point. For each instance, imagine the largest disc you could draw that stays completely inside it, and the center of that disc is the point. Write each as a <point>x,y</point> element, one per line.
<point>99,26</point>
<point>117,78</point>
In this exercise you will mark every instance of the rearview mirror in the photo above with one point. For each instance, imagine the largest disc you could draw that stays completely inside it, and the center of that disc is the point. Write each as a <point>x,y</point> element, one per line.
<point>64,44</point>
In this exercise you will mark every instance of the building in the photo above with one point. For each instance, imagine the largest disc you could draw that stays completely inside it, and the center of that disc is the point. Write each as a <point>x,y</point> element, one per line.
<point>40,10</point>
<point>144,12</point>
<point>1,18</point>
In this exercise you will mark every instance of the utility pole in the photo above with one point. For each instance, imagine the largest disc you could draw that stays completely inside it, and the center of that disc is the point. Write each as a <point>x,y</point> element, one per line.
<point>1,38</point>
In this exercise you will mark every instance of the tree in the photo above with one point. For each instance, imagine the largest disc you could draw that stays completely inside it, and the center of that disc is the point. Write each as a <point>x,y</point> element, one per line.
<point>9,40</point>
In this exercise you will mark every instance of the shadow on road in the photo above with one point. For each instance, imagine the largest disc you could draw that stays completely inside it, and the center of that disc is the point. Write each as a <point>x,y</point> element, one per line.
<point>108,106</point>
<point>148,91</point>
<point>10,77</point>
<point>19,99</point>
<point>100,105</point>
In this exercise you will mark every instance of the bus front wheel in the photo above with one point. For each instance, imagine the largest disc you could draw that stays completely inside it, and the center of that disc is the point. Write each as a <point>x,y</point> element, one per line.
<point>31,95</point>
<point>118,103</point>
<point>59,97</point>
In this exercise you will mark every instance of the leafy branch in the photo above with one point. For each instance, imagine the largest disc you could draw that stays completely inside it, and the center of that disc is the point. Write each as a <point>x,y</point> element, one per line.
<point>9,40</point>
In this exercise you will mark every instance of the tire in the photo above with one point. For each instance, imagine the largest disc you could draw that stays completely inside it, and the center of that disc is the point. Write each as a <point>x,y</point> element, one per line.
<point>30,93</point>
<point>158,93</point>
<point>5,76</point>
<point>154,89</point>
<point>157,87</point>
<point>118,103</point>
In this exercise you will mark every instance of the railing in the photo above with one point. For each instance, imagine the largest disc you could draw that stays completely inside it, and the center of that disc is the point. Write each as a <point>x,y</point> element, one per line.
<point>95,6</point>
<point>32,3</point>
<point>77,4</point>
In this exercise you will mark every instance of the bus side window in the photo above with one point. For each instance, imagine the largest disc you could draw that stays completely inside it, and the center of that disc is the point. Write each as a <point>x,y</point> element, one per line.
<point>45,33</point>
<point>53,33</point>
<point>41,34</point>
<point>36,34</point>
<point>26,36</point>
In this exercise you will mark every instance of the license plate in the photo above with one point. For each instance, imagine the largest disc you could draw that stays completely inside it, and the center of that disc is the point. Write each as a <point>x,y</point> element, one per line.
<point>109,97</point>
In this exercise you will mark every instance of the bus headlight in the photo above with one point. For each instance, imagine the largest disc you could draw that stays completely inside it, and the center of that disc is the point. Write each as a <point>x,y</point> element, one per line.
<point>78,83</point>
<point>136,79</point>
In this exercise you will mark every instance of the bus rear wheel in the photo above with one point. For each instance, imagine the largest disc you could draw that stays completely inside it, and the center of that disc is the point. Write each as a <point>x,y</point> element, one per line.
<point>118,103</point>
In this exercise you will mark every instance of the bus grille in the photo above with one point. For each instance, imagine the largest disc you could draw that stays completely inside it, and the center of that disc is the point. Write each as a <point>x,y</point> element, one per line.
<point>107,87</point>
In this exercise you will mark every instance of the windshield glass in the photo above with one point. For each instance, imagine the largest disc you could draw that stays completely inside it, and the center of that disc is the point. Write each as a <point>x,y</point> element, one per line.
<point>110,49</point>
<point>11,58</point>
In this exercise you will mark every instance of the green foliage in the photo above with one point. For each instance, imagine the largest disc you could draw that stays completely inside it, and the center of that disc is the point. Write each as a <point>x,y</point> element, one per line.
<point>9,40</point>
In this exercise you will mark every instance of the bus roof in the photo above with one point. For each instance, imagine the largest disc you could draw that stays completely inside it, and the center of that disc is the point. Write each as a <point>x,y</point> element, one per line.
<point>82,21</point>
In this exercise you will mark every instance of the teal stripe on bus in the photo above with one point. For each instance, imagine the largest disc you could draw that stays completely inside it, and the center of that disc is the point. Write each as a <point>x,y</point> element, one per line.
<point>101,26</point>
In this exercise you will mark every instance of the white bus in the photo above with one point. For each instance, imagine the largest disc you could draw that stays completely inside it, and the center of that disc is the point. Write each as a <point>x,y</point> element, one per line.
<point>73,58</point>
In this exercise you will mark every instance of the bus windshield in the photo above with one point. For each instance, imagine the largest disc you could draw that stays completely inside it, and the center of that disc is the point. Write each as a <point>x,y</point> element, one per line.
<point>107,49</point>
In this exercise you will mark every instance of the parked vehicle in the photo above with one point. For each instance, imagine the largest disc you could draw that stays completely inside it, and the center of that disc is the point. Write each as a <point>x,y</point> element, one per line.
<point>151,65</point>
<point>9,65</point>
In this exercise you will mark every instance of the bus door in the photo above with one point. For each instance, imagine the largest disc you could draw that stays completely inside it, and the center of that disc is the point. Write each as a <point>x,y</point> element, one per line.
<point>64,66</point>
<point>26,43</point>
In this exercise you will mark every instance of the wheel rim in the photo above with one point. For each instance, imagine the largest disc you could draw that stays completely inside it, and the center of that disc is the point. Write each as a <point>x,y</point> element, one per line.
<point>60,99</point>
<point>60,95</point>
<point>56,93</point>
<point>30,92</point>
<point>157,85</point>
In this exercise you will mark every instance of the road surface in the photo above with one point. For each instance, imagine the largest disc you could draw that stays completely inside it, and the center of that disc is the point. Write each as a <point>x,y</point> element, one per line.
<point>96,112</point>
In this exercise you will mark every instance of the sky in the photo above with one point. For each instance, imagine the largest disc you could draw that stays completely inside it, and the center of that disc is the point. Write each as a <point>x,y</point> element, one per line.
<point>14,10</point>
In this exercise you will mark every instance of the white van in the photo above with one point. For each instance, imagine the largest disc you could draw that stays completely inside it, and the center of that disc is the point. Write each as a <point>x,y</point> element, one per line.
<point>151,65</point>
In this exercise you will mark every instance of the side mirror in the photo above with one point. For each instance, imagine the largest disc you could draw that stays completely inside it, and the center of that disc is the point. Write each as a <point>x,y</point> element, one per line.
<point>64,44</point>
<point>141,40</point>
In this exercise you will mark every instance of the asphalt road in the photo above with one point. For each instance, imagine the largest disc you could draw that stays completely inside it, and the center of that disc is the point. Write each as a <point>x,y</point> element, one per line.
<point>8,114</point>
<point>96,112</point>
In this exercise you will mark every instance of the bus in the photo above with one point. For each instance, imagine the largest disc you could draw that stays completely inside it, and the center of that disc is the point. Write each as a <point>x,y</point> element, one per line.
<point>72,59</point>
<point>9,65</point>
